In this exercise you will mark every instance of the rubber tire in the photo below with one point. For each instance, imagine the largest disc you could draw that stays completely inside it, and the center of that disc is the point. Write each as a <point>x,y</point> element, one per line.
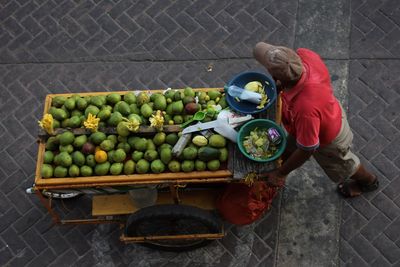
<point>157,212</point>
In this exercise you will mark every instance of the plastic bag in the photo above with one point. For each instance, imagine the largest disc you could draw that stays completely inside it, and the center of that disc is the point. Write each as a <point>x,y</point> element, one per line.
<point>242,204</point>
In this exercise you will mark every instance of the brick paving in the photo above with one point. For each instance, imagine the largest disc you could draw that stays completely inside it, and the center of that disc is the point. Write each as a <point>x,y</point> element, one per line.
<point>78,46</point>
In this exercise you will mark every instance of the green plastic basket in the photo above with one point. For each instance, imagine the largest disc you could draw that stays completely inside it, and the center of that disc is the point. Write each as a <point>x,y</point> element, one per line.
<point>260,123</point>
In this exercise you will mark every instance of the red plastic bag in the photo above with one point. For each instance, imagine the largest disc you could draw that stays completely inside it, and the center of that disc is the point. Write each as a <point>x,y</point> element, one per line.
<point>242,204</point>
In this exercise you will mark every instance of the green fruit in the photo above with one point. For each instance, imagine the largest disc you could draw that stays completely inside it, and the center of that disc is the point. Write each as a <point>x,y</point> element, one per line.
<point>178,96</point>
<point>90,161</point>
<point>164,146</point>
<point>130,98</point>
<point>81,103</point>
<point>110,155</point>
<point>121,139</point>
<point>66,138</point>
<point>137,155</point>
<point>122,129</point>
<point>102,168</point>
<point>70,103</point>
<point>189,92</point>
<point>154,96</point>
<point>48,157</point>
<point>79,141</point>
<point>224,154</point>
<point>150,145</point>
<point>134,109</point>
<point>187,166</point>
<point>107,107</point>
<point>78,158</point>
<point>166,155</point>
<point>171,139</point>
<point>222,102</point>
<point>177,107</point>
<point>150,155</point>
<point>59,114</point>
<point>97,101</point>
<point>97,137</point>
<point>76,112</point>
<point>104,114</point>
<point>200,165</point>
<point>169,94</point>
<point>125,146</point>
<point>200,140</point>
<point>213,165</point>
<point>65,159</point>
<point>65,123</point>
<point>56,124</point>
<point>74,122</point>
<point>142,166</point>
<point>168,110</point>
<point>189,153</point>
<point>114,119</point>
<point>58,101</point>
<point>159,138</point>
<point>178,119</point>
<point>146,110</point>
<point>113,138</point>
<point>86,171</point>
<point>132,140</point>
<point>113,98</point>
<point>207,153</point>
<point>116,168</point>
<point>141,144</point>
<point>92,110</point>
<point>142,98</point>
<point>123,108</point>
<point>73,171</point>
<point>119,155</point>
<point>67,148</point>
<point>174,166</point>
<point>214,94</point>
<point>217,140</point>
<point>188,99</point>
<point>107,145</point>
<point>160,103</point>
<point>47,171</point>
<point>157,166</point>
<point>60,172</point>
<point>129,167</point>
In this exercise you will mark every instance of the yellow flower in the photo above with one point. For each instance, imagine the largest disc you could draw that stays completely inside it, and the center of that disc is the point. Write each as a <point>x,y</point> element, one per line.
<point>92,122</point>
<point>157,120</point>
<point>47,123</point>
<point>132,124</point>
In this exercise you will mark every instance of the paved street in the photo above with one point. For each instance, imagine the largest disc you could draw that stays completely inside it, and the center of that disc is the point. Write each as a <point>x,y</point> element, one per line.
<point>80,46</point>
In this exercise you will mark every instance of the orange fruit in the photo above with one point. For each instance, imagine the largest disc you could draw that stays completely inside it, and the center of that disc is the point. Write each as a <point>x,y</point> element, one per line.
<point>100,156</point>
<point>97,148</point>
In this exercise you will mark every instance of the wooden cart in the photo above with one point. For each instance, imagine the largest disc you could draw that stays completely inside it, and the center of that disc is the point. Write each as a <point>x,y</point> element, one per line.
<point>184,215</point>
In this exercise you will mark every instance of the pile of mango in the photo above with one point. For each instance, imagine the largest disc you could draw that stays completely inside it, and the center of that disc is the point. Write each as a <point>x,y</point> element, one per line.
<point>67,155</point>
<point>176,107</point>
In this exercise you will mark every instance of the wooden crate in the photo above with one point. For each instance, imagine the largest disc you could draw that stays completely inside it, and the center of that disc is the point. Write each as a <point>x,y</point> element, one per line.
<point>224,174</point>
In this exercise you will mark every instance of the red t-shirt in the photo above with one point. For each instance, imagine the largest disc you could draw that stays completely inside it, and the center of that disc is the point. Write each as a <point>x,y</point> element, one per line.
<point>310,111</point>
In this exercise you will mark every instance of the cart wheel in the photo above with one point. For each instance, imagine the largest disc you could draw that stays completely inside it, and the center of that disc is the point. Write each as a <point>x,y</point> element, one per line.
<point>159,220</point>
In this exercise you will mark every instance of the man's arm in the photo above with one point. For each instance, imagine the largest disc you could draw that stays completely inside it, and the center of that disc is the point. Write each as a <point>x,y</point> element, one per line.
<point>295,160</point>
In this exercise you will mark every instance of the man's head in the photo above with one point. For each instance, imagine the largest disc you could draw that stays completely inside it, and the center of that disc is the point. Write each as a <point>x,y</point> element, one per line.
<point>281,62</point>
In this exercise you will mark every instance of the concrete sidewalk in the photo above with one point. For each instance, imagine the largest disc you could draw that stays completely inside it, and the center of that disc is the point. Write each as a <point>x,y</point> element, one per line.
<point>75,46</point>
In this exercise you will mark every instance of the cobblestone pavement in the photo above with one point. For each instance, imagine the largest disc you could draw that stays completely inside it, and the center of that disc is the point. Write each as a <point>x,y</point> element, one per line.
<point>78,46</point>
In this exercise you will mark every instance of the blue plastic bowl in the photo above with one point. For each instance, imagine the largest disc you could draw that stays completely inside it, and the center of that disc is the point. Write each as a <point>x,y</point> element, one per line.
<point>241,80</point>
<point>261,124</point>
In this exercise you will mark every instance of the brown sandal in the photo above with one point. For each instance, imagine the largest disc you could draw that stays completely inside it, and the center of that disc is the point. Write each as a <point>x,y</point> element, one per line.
<point>352,188</point>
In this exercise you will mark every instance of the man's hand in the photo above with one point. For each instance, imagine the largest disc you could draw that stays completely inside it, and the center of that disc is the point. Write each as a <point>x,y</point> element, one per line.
<point>274,178</point>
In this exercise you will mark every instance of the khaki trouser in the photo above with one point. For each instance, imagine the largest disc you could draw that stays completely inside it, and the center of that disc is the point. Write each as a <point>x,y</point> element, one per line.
<point>336,159</point>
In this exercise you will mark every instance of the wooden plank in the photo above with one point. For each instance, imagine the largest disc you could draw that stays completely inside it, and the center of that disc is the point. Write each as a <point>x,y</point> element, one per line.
<point>132,179</point>
<point>120,204</point>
